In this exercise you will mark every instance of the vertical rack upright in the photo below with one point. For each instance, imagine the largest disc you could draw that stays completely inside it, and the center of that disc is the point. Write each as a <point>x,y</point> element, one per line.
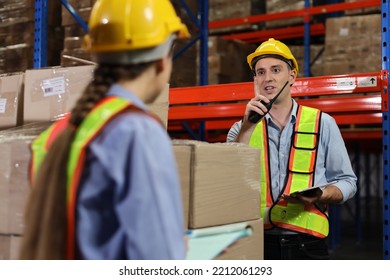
<point>385,10</point>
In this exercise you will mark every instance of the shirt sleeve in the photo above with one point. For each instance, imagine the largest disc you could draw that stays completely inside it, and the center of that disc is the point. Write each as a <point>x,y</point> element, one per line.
<point>134,164</point>
<point>337,162</point>
<point>233,132</point>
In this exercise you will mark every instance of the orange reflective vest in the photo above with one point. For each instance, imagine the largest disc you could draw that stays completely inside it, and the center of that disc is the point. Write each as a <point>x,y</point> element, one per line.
<point>103,112</point>
<point>297,217</point>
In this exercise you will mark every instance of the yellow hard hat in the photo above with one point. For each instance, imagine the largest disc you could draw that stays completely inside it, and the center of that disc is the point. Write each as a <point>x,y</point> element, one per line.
<point>276,48</point>
<point>125,25</point>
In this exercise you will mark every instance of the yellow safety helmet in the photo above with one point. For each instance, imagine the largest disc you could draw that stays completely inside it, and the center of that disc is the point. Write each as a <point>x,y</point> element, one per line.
<point>273,48</point>
<point>126,25</point>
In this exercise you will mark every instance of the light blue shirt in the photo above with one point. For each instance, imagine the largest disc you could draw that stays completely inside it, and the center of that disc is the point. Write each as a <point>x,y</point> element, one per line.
<point>332,163</point>
<point>129,202</point>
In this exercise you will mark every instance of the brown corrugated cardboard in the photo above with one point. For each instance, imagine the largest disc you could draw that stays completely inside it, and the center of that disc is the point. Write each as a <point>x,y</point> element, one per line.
<point>11,100</point>
<point>278,6</point>
<point>14,188</point>
<point>183,158</point>
<point>14,183</point>
<point>247,248</point>
<point>160,106</point>
<point>345,51</point>
<point>224,184</point>
<point>50,93</point>
<point>9,247</point>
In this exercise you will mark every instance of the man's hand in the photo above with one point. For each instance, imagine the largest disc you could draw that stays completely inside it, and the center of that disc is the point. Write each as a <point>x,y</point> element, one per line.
<point>255,103</point>
<point>305,198</point>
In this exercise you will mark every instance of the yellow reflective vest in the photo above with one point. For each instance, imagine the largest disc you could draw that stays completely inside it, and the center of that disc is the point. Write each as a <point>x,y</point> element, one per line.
<point>91,126</point>
<point>297,217</point>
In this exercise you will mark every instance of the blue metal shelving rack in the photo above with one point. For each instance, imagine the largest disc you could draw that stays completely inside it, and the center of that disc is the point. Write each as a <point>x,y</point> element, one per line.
<point>40,33</point>
<point>40,47</point>
<point>386,129</point>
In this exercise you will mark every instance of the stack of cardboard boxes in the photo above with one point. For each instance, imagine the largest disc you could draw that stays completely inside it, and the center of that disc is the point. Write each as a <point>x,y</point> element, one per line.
<point>278,6</point>
<point>221,186</point>
<point>227,61</point>
<point>14,185</point>
<point>353,45</point>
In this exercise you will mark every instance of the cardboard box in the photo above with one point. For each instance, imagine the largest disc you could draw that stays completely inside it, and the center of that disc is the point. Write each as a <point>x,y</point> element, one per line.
<point>247,248</point>
<point>14,187</point>
<point>345,52</point>
<point>160,106</point>
<point>224,184</point>
<point>51,92</point>
<point>14,171</point>
<point>279,6</point>
<point>11,100</point>
<point>238,241</point>
<point>183,158</point>
<point>9,247</point>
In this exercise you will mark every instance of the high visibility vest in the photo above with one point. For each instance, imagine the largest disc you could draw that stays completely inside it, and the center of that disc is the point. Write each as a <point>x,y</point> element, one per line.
<point>103,112</point>
<point>297,217</point>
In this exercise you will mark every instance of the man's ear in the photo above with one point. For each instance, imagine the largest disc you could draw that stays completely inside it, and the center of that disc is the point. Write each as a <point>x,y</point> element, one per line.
<point>293,76</point>
<point>160,65</point>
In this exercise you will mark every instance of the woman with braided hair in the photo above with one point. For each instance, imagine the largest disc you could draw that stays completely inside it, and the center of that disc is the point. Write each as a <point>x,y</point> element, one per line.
<point>104,178</point>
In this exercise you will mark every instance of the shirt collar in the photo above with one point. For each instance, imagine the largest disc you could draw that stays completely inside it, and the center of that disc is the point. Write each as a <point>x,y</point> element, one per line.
<point>119,91</point>
<point>293,115</point>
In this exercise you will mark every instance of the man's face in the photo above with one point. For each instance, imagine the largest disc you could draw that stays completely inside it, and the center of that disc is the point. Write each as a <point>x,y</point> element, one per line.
<point>271,75</point>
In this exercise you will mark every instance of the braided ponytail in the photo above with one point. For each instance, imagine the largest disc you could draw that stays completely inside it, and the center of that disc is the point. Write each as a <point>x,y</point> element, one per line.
<point>45,216</point>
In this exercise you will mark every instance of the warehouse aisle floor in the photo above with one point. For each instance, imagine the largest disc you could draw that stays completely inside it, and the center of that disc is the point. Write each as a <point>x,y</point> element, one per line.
<point>370,244</point>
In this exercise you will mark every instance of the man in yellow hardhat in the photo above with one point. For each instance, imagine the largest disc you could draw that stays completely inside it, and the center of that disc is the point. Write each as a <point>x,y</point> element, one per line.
<point>300,147</point>
<point>104,178</point>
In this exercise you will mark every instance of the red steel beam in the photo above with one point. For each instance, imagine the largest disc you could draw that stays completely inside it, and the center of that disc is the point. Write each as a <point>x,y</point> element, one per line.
<point>303,87</point>
<point>280,33</point>
<point>358,135</point>
<point>364,119</point>
<point>305,13</point>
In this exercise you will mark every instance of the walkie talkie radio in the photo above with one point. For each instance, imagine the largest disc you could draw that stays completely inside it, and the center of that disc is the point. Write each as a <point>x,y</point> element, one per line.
<point>255,117</point>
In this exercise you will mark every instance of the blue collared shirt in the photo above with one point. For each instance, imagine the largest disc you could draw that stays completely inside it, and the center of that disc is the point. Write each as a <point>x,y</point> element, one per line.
<point>333,161</point>
<point>129,200</point>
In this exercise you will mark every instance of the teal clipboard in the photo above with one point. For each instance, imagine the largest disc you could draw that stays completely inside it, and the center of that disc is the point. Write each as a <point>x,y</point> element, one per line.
<point>208,243</point>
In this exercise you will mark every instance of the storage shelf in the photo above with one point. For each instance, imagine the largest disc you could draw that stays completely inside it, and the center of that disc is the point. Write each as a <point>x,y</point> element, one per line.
<point>305,31</point>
